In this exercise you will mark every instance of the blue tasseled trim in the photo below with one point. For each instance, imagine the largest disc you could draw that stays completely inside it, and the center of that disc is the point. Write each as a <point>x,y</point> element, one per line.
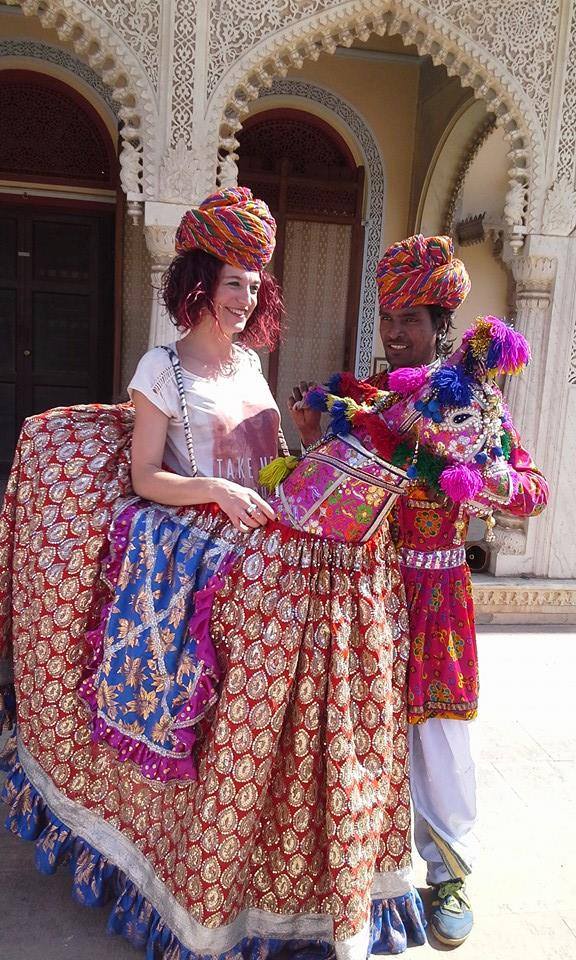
<point>97,882</point>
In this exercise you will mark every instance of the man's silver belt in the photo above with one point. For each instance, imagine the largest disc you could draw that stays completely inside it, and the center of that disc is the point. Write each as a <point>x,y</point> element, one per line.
<point>433,559</point>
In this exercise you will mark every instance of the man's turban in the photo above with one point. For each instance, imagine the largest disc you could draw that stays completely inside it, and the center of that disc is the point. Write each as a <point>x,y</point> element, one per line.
<point>421,271</point>
<point>232,226</point>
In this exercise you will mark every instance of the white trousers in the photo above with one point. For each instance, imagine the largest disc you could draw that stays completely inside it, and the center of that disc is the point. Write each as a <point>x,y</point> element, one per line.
<point>443,788</point>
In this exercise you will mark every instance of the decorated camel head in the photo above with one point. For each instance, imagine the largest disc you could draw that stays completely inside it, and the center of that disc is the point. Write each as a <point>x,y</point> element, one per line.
<point>447,423</point>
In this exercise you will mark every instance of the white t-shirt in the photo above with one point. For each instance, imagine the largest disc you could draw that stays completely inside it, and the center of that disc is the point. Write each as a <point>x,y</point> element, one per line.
<point>234,419</point>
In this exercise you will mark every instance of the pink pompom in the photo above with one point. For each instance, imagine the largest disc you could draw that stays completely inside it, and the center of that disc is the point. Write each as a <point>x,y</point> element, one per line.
<point>407,379</point>
<point>461,482</point>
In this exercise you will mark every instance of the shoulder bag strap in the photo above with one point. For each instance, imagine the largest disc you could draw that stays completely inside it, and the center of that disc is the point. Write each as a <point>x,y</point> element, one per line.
<point>175,361</point>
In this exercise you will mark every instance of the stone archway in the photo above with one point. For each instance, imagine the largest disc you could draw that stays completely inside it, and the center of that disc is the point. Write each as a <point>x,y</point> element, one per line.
<point>110,54</point>
<point>358,131</point>
<point>470,59</point>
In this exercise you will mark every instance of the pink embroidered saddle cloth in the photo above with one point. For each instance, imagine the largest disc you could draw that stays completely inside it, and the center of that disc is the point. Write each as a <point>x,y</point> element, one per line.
<point>339,490</point>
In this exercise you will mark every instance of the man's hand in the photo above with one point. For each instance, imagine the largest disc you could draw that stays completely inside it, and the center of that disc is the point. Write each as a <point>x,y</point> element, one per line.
<point>306,419</point>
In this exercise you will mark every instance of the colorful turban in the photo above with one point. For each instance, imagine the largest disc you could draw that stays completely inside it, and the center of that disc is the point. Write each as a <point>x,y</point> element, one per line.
<point>232,226</point>
<point>421,271</point>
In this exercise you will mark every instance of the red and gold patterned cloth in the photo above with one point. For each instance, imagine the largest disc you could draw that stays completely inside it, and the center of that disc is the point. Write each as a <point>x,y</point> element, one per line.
<point>233,226</point>
<point>443,661</point>
<point>420,271</point>
<point>297,828</point>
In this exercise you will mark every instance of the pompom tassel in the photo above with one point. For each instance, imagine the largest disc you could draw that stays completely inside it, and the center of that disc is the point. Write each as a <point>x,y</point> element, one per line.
<point>461,482</point>
<point>407,379</point>
<point>276,471</point>
<point>452,386</point>
<point>317,398</point>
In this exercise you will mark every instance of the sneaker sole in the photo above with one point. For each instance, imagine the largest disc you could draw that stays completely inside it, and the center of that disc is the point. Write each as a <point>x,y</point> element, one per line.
<point>449,942</point>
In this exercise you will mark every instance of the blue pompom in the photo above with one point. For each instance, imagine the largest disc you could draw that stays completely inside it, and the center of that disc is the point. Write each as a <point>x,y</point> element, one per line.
<point>420,405</point>
<point>340,422</point>
<point>333,383</point>
<point>496,451</point>
<point>481,457</point>
<point>412,471</point>
<point>437,417</point>
<point>452,386</point>
<point>316,398</point>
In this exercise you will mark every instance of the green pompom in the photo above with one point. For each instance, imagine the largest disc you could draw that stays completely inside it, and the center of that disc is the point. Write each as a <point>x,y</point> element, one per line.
<point>506,444</point>
<point>276,471</point>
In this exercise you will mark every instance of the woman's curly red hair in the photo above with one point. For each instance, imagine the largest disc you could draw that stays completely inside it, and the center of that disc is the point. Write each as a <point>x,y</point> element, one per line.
<point>188,286</point>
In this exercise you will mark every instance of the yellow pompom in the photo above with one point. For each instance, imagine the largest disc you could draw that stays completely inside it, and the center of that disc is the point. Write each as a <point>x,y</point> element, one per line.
<point>276,471</point>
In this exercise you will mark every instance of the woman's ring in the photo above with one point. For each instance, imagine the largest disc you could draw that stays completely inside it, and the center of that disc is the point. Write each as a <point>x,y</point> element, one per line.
<point>251,509</point>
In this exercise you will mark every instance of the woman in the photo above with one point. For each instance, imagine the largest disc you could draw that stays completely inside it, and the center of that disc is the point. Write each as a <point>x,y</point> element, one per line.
<point>211,716</point>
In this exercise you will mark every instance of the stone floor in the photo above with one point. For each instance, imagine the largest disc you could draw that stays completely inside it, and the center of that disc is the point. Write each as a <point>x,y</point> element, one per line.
<point>524,887</point>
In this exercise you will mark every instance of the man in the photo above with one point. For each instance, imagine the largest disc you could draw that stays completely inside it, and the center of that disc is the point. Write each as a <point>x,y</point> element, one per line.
<point>420,284</point>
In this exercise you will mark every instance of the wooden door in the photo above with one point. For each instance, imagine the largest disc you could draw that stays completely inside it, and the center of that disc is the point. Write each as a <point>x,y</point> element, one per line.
<point>56,314</point>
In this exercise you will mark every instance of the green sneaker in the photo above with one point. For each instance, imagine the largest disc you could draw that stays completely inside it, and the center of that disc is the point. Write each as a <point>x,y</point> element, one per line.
<point>451,918</point>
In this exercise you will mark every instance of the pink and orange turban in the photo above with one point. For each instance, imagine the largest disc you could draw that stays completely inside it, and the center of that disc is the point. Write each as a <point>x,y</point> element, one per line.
<point>421,271</point>
<point>232,226</point>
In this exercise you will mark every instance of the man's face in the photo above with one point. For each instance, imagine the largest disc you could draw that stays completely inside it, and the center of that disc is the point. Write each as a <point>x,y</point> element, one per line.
<point>409,337</point>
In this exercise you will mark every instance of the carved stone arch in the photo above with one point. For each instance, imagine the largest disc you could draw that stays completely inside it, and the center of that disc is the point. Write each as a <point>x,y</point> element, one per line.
<point>359,136</point>
<point>432,35</point>
<point>106,51</point>
<point>35,54</point>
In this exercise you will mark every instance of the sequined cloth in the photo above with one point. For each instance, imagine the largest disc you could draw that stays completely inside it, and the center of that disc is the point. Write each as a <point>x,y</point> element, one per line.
<point>296,829</point>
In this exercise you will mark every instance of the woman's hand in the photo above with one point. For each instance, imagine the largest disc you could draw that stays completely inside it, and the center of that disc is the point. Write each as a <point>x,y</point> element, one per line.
<point>306,419</point>
<point>243,506</point>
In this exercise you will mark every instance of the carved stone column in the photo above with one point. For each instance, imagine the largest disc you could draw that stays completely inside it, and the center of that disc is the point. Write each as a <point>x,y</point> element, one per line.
<point>160,242</point>
<point>534,277</point>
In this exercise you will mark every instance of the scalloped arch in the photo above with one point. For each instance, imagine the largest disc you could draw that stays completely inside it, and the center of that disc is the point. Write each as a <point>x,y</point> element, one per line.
<point>357,131</point>
<point>462,57</point>
<point>97,43</point>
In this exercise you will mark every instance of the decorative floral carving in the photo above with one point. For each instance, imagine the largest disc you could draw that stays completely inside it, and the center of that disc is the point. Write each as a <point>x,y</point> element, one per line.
<point>265,39</point>
<point>138,23</point>
<point>131,169</point>
<point>496,601</point>
<point>228,171</point>
<point>374,204</point>
<point>183,70</point>
<point>559,216</point>
<point>179,174</point>
<point>521,35</point>
<point>160,243</point>
<point>566,160</point>
<point>534,276</point>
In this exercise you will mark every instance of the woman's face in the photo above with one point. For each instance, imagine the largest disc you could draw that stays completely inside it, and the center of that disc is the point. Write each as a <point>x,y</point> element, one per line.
<point>234,298</point>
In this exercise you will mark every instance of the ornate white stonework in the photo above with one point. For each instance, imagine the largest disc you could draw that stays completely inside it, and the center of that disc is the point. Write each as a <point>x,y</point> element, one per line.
<point>559,217</point>
<point>48,53</point>
<point>566,157</point>
<point>117,40</point>
<point>522,36</point>
<point>513,600</point>
<point>534,276</point>
<point>131,169</point>
<point>509,535</point>
<point>179,174</point>
<point>251,45</point>
<point>183,71</point>
<point>160,243</point>
<point>363,136</point>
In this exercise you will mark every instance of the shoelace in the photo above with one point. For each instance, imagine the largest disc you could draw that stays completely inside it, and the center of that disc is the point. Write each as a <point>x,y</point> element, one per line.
<point>452,896</point>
